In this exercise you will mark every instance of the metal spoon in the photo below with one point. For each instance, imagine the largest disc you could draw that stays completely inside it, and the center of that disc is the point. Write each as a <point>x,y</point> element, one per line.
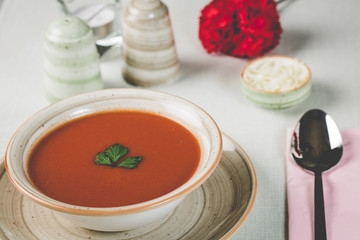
<point>317,146</point>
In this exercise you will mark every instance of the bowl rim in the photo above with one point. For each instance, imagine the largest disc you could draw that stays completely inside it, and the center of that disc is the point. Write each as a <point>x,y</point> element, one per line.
<point>122,210</point>
<point>274,92</point>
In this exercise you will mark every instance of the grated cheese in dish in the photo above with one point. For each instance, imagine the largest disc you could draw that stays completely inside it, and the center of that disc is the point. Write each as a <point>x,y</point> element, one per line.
<point>276,74</point>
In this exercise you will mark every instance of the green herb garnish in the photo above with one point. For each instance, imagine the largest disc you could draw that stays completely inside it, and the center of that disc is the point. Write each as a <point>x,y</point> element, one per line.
<point>112,155</point>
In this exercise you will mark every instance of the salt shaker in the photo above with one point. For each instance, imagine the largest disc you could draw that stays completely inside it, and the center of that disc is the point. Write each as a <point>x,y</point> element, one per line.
<point>149,53</point>
<point>71,61</point>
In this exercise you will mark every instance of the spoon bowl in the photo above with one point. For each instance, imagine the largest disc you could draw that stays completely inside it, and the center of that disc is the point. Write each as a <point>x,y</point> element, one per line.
<point>317,146</point>
<point>317,143</point>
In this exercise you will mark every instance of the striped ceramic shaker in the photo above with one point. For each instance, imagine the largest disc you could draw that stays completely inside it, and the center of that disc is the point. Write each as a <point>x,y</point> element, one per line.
<point>71,61</point>
<point>149,53</point>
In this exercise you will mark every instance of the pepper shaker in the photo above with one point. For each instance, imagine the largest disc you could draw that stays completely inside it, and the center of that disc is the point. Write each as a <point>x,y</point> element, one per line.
<point>71,61</point>
<point>149,53</point>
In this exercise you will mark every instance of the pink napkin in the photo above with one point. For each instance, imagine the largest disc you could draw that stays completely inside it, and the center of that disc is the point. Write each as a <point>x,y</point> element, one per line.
<point>341,194</point>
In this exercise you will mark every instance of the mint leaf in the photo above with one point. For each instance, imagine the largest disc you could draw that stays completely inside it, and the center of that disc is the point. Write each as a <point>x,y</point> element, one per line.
<point>130,162</point>
<point>102,159</point>
<point>115,152</point>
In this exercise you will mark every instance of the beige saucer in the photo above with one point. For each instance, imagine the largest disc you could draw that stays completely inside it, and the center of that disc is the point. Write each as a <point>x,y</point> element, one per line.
<point>213,211</point>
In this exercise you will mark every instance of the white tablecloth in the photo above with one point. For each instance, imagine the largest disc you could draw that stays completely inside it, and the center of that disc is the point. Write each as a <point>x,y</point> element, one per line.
<point>324,34</point>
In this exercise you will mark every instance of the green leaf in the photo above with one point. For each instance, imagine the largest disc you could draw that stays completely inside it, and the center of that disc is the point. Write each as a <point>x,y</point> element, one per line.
<point>102,159</point>
<point>115,152</point>
<point>130,162</point>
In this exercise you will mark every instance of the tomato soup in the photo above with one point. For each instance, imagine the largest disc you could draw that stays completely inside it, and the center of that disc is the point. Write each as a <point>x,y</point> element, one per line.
<point>62,164</point>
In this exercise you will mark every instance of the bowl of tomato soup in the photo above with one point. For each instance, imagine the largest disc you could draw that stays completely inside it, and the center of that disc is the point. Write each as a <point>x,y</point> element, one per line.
<point>115,159</point>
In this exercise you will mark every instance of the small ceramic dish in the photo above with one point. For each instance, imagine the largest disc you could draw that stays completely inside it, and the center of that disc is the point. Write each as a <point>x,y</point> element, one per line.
<point>128,217</point>
<point>276,82</point>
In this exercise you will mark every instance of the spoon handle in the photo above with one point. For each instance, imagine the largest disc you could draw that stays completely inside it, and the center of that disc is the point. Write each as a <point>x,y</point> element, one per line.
<point>320,225</point>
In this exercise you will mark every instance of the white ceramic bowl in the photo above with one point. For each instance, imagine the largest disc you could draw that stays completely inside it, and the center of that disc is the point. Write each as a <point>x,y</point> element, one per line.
<point>115,218</point>
<point>276,82</point>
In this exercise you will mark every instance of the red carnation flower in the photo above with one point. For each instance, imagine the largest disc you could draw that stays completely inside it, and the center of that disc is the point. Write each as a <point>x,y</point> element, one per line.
<point>240,28</point>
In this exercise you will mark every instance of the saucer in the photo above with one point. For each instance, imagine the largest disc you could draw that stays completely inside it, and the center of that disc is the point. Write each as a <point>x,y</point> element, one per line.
<point>213,211</point>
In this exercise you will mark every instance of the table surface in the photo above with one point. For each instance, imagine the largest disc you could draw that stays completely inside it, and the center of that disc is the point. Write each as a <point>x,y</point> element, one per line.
<point>324,34</point>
